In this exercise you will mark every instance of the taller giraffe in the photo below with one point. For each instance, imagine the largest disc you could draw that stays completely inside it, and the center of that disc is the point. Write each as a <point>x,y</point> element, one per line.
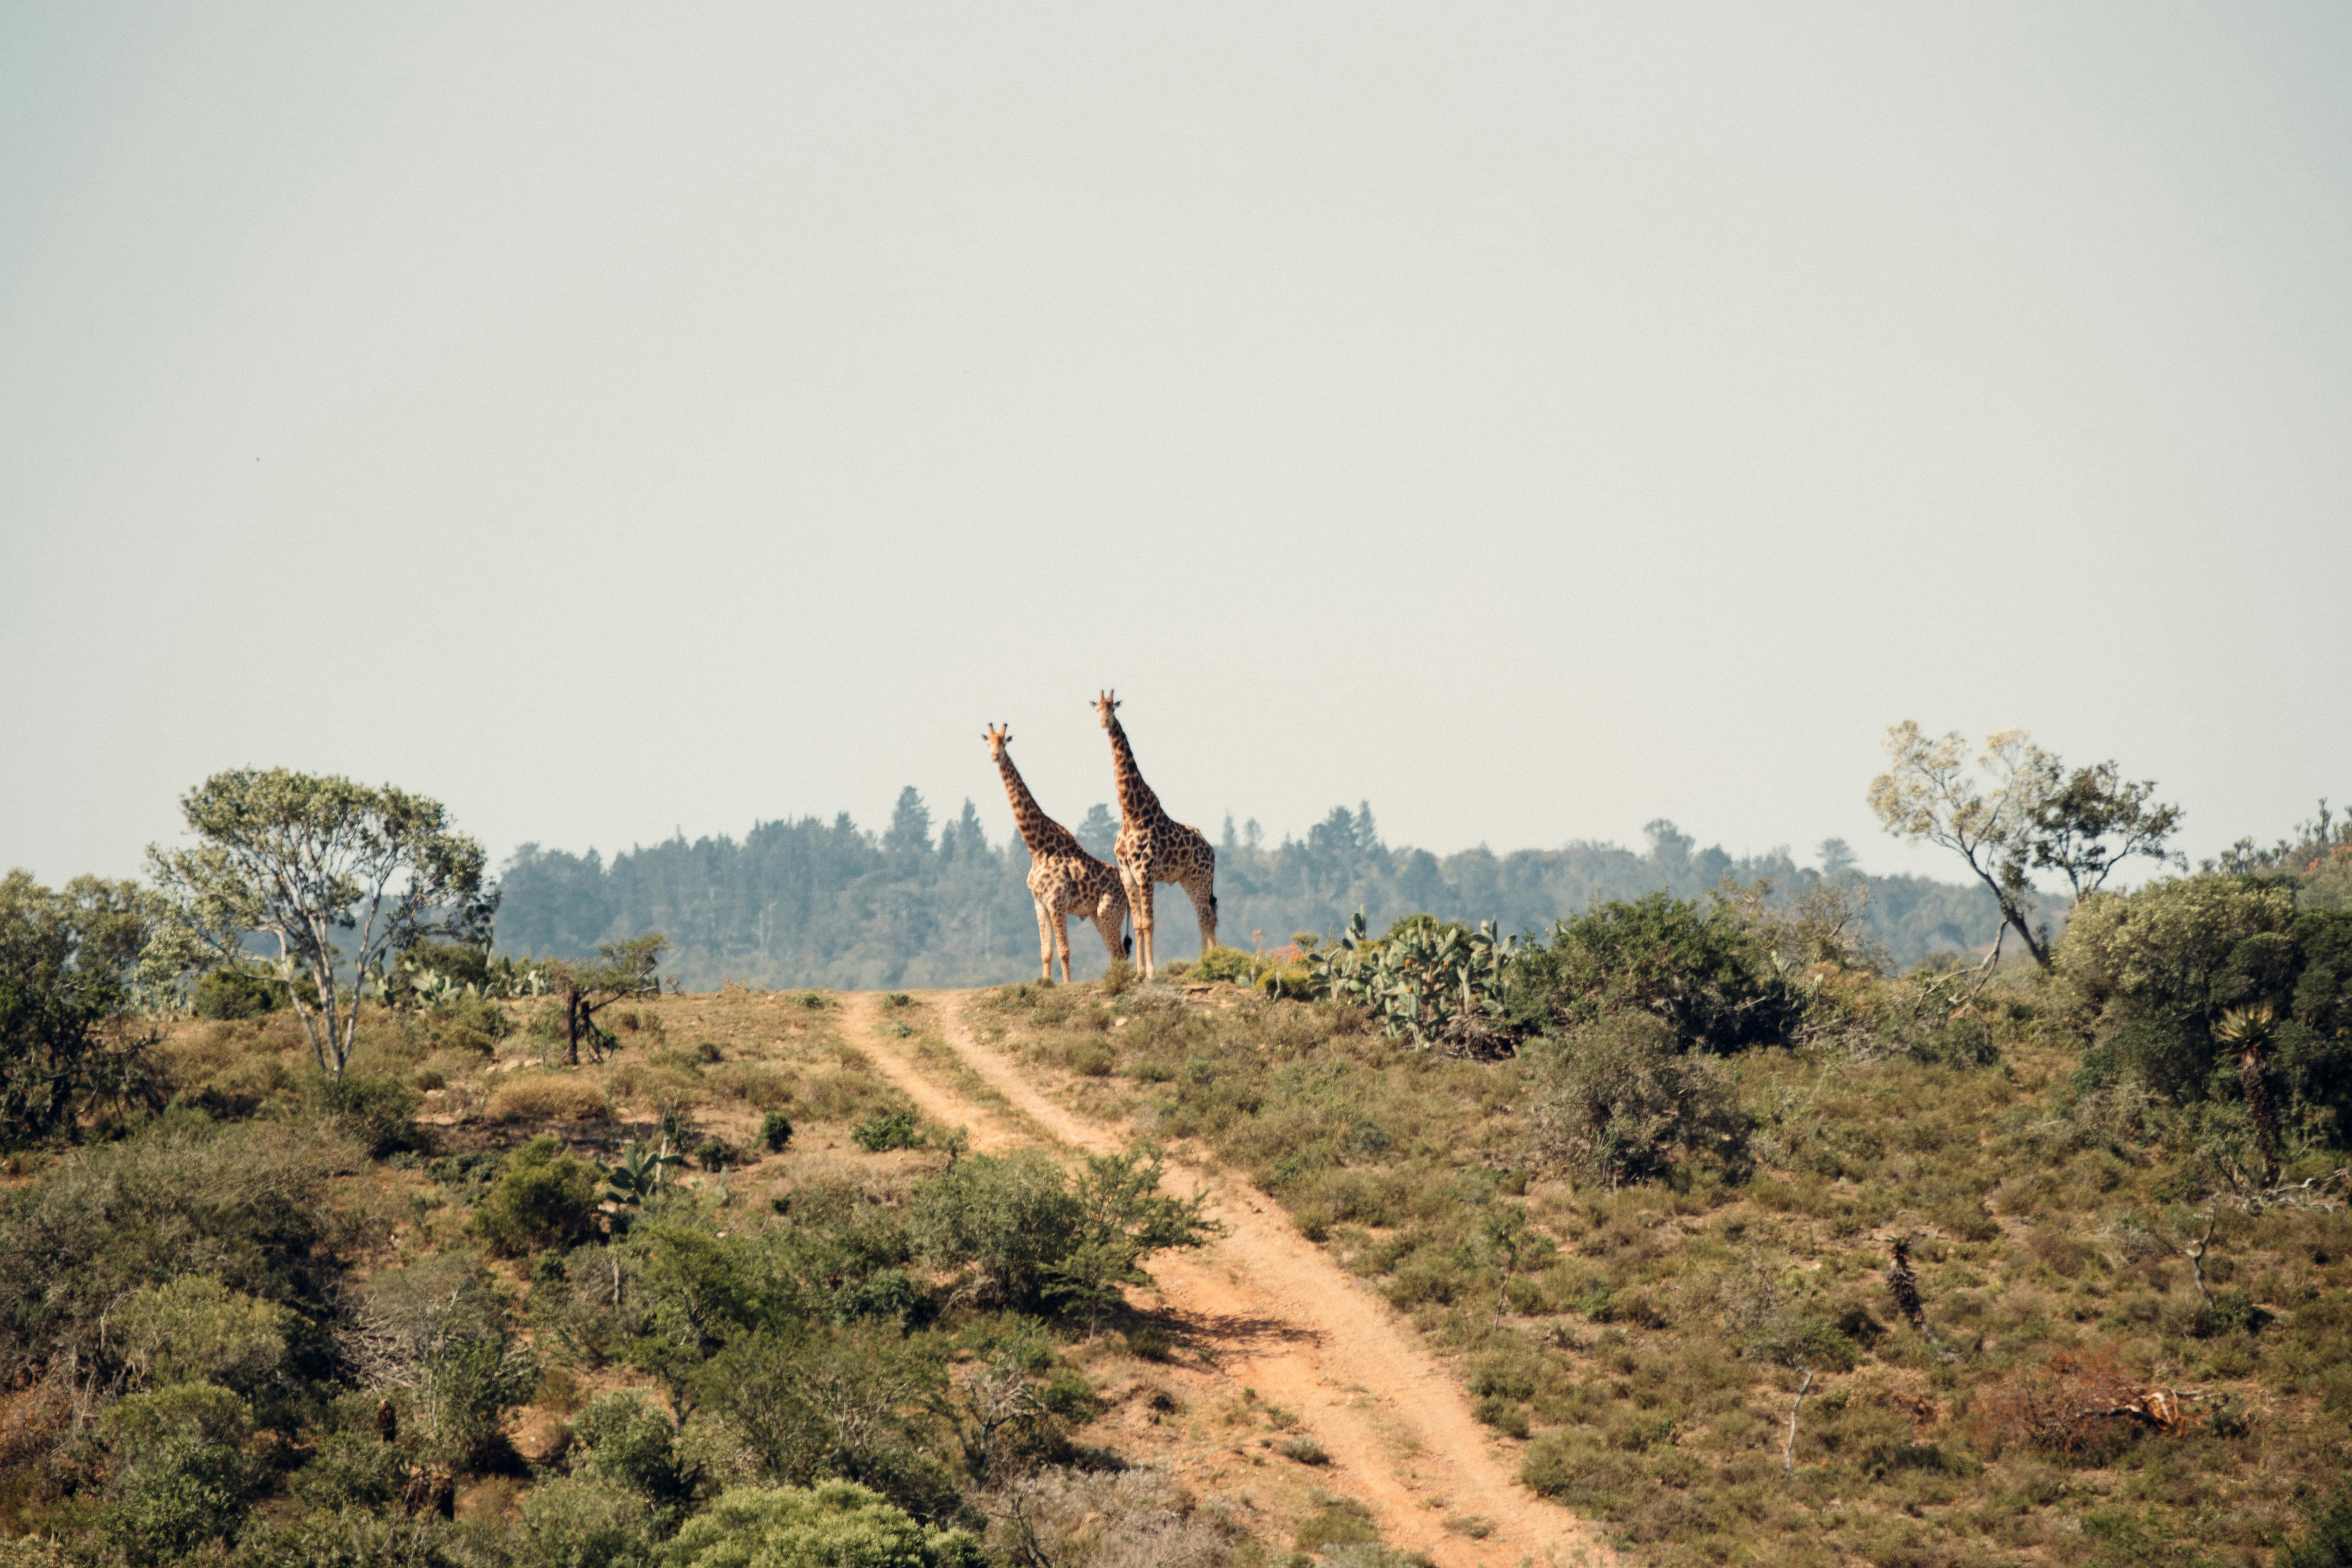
<point>1064,878</point>
<point>1154,847</point>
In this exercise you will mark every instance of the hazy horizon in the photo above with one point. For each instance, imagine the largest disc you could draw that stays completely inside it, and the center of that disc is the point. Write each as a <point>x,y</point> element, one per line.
<point>1531,421</point>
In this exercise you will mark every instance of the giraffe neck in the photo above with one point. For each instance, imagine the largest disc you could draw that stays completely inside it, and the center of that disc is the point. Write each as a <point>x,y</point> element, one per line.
<point>1135,800</point>
<point>1040,832</point>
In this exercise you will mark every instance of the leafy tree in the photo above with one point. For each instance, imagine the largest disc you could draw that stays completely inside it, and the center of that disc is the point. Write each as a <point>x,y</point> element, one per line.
<point>300,860</point>
<point>2093,820</point>
<point>621,969</point>
<point>2033,815</point>
<point>69,969</point>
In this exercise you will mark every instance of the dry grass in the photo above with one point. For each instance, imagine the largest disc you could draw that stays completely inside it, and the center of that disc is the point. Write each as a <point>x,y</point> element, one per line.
<point>547,1097</point>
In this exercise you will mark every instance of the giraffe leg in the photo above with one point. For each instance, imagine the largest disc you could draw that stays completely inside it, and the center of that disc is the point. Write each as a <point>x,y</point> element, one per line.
<point>1139,900</point>
<point>1109,913</point>
<point>1045,943</point>
<point>1202,890</point>
<point>1062,941</point>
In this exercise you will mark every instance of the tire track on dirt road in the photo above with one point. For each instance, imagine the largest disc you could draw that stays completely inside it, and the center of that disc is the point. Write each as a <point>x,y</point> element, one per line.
<point>1285,1320</point>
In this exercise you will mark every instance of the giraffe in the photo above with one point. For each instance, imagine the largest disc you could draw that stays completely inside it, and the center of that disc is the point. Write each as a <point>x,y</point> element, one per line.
<point>1064,878</point>
<point>1154,847</point>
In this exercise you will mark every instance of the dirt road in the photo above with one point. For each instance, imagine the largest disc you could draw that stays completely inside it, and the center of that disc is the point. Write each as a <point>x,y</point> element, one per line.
<point>1286,1320</point>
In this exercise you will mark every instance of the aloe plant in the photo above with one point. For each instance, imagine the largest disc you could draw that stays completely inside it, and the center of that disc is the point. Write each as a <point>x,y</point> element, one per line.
<point>2248,1031</point>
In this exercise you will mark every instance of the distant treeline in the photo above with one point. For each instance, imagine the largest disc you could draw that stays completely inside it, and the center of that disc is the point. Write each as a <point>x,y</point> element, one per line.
<point>826,903</point>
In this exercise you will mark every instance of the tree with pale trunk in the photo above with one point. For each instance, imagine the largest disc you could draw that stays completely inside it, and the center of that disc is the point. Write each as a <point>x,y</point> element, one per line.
<point>2030,813</point>
<point>333,877</point>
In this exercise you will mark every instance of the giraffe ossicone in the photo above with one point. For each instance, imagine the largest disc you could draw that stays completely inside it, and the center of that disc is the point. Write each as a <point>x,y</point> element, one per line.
<point>1063,879</point>
<point>1154,847</point>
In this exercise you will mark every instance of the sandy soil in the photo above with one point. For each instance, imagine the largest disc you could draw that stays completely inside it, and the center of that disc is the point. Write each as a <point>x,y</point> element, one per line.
<point>1288,1321</point>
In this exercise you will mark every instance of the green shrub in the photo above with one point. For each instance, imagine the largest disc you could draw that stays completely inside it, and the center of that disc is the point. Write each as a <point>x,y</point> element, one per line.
<point>356,1537</point>
<point>713,1154</point>
<point>804,1403</point>
<point>1616,1102</point>
<point>1337,1521</point>
<point>888,1129</point>
<point>1703,971</point>
<point>544,1198</point>
<point>633,1445</point>
<point>585,1522</point>
<point>350,1470</point>
<point>194,1329</point>
<point>184,1477</point>
<point>2324,1542</point>
<point>381,1112</point>
<point>234,993</point>
<point>775,1131</point>
<point>1225,964</point>
<point>2157,968</point>
<point>834,1524</point>
<point>1039,1244</point>
<point>242,1202</point>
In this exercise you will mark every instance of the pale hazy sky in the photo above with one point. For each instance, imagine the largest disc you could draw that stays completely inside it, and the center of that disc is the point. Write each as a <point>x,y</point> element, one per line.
<point>619,418</point>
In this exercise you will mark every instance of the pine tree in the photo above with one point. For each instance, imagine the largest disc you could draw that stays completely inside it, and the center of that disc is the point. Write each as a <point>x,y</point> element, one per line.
<point>964,839</point>
<point>910,833</point>
<point>1100,831</point>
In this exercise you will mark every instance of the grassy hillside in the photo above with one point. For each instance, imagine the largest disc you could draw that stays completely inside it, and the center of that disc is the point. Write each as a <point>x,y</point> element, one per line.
<point>401,1322</point>
<point>1643,1345</point>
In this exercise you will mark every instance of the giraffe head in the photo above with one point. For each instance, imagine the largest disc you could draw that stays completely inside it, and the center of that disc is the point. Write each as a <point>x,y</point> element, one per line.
<point>1104,705</point>
<point>998,737</point>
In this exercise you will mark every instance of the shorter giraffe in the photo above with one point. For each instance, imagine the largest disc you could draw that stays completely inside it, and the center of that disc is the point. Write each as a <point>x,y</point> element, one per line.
<point>1064,878</point>
<point>1154,847</point>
